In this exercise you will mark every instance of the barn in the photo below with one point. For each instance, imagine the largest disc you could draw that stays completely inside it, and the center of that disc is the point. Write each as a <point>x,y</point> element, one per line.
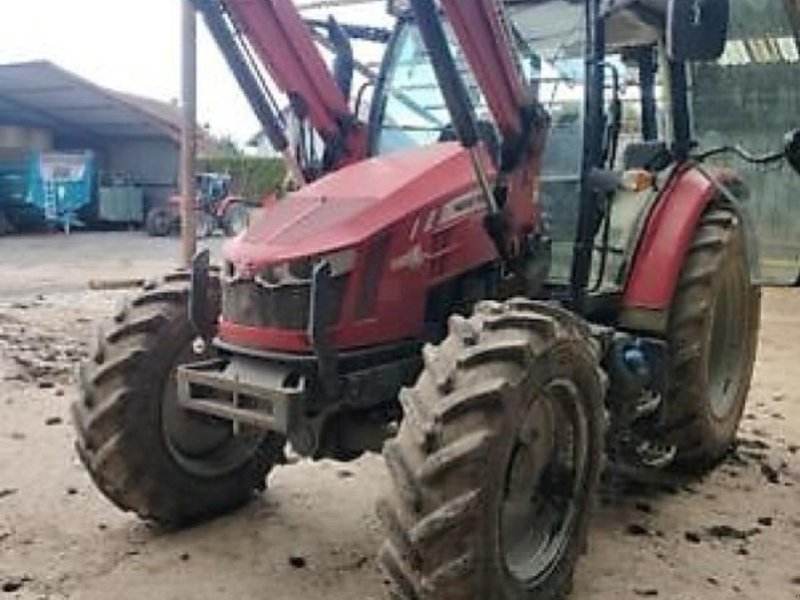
<point>73,150</point>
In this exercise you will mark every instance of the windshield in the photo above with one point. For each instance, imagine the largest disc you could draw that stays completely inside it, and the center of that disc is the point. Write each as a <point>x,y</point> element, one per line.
<point>550,50</point>
<point>555,34</point>
<point>552,36</point>
<point>413,111</point>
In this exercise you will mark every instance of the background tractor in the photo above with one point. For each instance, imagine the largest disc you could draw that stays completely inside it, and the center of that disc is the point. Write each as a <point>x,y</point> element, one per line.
<point>480,281</point>
<point>216,208</point>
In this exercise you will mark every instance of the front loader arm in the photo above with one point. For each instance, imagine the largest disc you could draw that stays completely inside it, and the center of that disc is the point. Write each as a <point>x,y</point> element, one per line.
<point>483,36</point>
<point>283,44</point>
<point>479,27</point>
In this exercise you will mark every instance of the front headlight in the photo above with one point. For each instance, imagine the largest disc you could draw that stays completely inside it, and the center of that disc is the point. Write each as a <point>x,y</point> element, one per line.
<point>301,271</point>
<point>273,275</point>
<point>341,262</point>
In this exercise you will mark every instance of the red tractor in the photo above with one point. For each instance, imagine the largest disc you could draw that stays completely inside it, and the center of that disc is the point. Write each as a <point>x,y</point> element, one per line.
<point>476,281</point>
<point>216,208</point>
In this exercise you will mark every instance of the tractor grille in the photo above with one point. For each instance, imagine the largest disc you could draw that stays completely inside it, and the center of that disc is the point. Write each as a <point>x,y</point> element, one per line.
<point>244,302</point>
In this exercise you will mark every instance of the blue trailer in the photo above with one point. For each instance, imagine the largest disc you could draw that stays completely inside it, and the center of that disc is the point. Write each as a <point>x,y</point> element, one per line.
<point>61,186</point>
<point>54,188</point>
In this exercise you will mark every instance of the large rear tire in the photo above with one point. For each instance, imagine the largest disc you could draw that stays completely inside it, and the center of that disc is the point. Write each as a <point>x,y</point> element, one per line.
<point>143,451</point>
<point>712,337</point>
<point>497,460</point>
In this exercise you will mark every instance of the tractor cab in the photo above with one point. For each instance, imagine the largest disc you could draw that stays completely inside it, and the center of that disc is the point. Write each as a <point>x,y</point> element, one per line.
<point>212,188</point>
<point>612,81</point>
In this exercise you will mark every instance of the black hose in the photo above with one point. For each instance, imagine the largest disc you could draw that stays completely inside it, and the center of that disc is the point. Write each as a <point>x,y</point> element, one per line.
<point>746,156</point>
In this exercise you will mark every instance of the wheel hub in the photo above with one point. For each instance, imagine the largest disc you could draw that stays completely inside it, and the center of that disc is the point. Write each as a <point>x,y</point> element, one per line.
<point>546,473</point>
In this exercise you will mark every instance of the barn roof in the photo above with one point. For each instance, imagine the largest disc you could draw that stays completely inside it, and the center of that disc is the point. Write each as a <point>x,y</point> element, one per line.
<point>42,94</point>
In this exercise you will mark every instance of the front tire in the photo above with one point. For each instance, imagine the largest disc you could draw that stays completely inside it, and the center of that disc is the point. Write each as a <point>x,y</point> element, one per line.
<point>712,339</point>
<point>144,452</point>
<point>497,460</point>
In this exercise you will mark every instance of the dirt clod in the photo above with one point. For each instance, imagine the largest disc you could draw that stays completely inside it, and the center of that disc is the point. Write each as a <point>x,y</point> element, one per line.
<point>637,530</point>
<point>771,473</point>
<point>692,537</point>
<point>728,532</point>
<point>13,584</point>
<point>751,444</point>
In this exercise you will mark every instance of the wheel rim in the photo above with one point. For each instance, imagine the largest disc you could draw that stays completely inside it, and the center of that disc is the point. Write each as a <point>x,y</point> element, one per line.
<point>204,446</point>
<point>546,473</point>
<point>726,346</point>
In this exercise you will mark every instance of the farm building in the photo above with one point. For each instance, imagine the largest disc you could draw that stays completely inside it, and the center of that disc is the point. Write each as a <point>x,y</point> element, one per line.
<point>71,150</point>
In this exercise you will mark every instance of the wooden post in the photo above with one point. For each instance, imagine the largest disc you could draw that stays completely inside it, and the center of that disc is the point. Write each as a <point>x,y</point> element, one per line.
<point>189,132</point>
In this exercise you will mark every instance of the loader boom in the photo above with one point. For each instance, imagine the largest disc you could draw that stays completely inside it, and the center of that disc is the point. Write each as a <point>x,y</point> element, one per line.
<point>484,38</point>
<point>284,45</point>
<point>483,35</point>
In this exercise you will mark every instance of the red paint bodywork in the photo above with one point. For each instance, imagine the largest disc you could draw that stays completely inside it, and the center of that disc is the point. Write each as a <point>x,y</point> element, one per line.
<point>666,239</point>
<point>418,211</point>
<point>411,203</point>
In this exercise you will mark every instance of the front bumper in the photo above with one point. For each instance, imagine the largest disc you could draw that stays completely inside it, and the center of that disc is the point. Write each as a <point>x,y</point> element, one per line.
<point>243,390</point>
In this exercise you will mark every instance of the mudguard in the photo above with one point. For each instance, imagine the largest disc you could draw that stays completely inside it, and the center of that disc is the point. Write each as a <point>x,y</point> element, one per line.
<point>665,240</point>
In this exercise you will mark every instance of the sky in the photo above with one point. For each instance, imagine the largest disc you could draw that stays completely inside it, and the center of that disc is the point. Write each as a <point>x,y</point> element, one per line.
<point>134,46</point>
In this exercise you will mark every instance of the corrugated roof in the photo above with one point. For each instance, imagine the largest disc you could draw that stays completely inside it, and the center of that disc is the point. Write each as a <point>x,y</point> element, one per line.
<point>42,94</point>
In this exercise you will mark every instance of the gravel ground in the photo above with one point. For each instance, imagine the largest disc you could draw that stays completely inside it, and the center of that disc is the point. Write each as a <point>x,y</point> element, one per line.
<point>735,534</point>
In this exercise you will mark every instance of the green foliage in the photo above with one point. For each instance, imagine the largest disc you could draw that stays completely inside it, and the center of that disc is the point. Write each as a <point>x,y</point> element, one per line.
<point>253,178</point>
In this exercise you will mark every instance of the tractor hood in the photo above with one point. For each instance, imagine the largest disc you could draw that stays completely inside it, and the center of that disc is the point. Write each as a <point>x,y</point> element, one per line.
<point>353,204</point>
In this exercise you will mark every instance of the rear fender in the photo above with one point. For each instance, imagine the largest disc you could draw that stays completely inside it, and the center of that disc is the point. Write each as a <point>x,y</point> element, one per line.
<point>665,240</point>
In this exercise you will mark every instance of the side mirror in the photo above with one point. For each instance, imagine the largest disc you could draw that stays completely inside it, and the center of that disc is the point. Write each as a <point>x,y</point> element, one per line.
<point>793,149</point>
<point>697,29</point>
